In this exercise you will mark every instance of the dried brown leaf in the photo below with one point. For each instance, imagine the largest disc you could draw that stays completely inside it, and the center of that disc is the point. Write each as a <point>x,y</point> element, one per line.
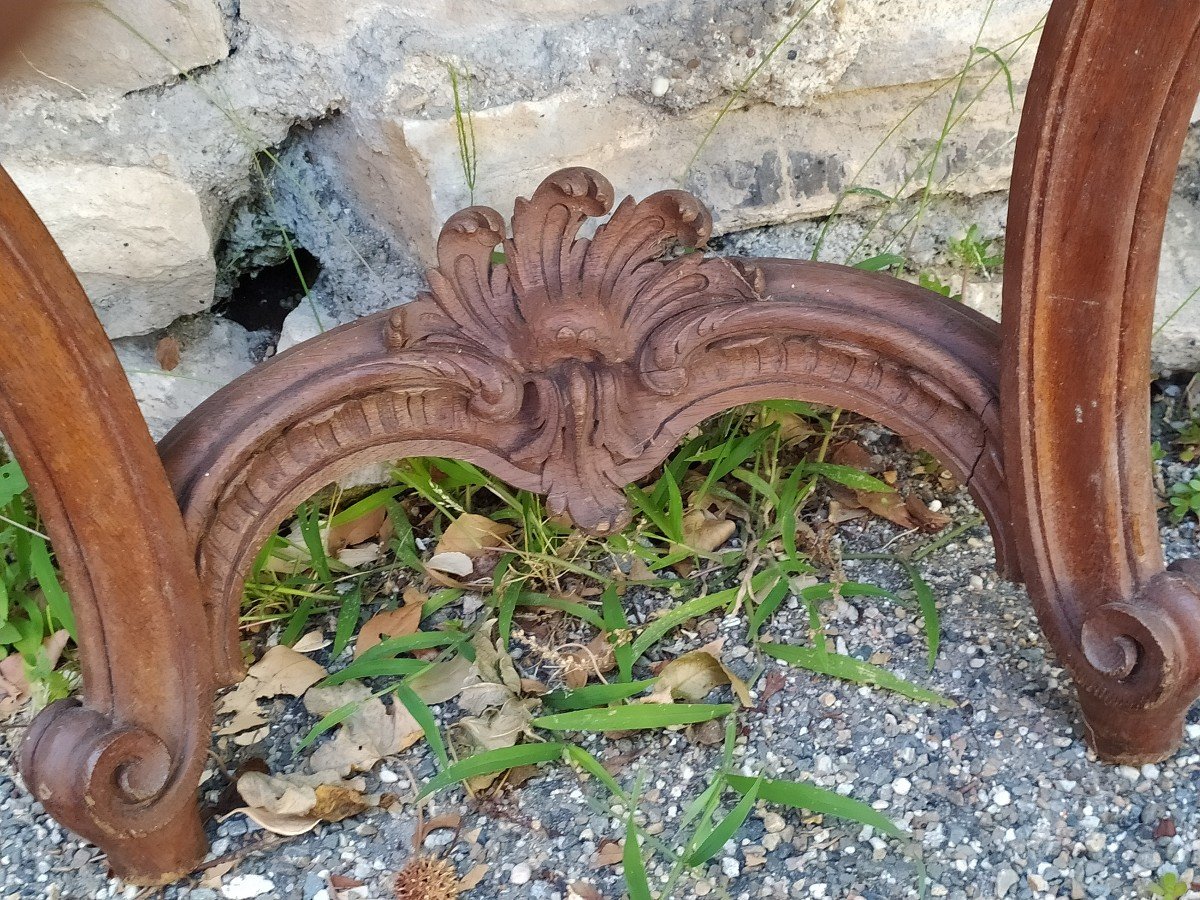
<point>693,677</point>
<point>391,623</point>
<point>610,853</point>
<point>473,878</point>
<point>166,353</point>
<point>370,733</point>
<point>855,455</point>
<point>355,531</point>
<point>280,671</point>
<point>888,506</point>
<point>443,681</point>
<point>925,517</point>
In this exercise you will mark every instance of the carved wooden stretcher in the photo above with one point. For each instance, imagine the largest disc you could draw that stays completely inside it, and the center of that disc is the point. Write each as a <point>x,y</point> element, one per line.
<point>572,370</point>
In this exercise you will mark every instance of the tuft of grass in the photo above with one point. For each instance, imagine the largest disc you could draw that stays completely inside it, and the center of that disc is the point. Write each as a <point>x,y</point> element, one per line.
<point>464,126</point>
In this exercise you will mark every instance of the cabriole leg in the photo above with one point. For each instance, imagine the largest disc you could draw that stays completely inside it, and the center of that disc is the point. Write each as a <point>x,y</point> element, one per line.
<point>1105,118</point>
<point>121,768</point>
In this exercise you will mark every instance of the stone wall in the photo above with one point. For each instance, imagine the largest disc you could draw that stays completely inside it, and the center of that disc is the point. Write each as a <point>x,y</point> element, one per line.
<point>178,147</point>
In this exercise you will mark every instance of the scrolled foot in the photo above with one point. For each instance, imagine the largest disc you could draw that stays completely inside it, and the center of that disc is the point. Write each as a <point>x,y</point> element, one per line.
<point>118,787</point>
<point>1143,659</point>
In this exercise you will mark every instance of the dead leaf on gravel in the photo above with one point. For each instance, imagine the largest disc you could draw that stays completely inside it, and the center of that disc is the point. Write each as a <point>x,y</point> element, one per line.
<point>471,536</point>
<point>598,657</point>
<point>453,563</point>
<point>792,428</point>
<point>391,623</point>
<point>473,878</point>
<point>311,642</point>
<point>15,689</point>
<point>495,729</point>
<point>855,455</point>
<point>581,890</point>
<point>294,804</point>
<point>926,517</point>
<point>839,513</point>
<point>888,506</point>
<point>442,681</point>
<point>280,671</point>
<point>695,675</point>
<point>610,853</point>
<point>211,879</point>
<point>355,531</point>
<point>370,733</point>
<point>166,353</point>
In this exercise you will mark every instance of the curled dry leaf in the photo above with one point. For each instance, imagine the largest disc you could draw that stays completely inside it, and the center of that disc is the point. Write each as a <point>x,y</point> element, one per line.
<point>391,623</point>
<point>472,537</point>
<point>888,506</point>
<point>280,671</point>
<point>473,878</point>
<point>371,732</point>
<point>443,681</point>
<point>294,804</point>
<point>925,517</point>
<point>355,531</point>
<point>311,642</point>
<point>693,676</point>
<point>166,353</point>
<point>598,657</point>
<point>581,890</point>
<point>15,689</point>
<point>703,531</point>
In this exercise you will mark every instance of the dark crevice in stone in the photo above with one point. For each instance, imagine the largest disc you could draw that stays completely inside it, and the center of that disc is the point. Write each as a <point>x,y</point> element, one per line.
<point>261,299</point>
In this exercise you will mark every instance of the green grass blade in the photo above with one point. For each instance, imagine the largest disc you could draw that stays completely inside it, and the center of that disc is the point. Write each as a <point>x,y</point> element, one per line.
<point>47,579</point>
<point>595,695</point>
<point>635,866</point>
<point>851,477</point>
<point>491,761</point>
<point>376,668</point>
<point>635,717</point>
<point>578,610</point>
<point>347,620</point>
<point>418,709</point>
<point>310,529</point>
<point>850,669</point>
<point>814,799</point>
<point>929,611</point>
<point>726,828</point>
<point>592,766</point>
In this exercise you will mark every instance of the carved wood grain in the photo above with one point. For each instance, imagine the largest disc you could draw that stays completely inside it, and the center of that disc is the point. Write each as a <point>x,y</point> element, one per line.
<point>573,369</point>
<point>1103,127</point>
<point>120,768</point>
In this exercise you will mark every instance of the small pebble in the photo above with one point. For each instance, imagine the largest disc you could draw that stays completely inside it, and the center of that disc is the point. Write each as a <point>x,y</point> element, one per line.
<point>660,85</point>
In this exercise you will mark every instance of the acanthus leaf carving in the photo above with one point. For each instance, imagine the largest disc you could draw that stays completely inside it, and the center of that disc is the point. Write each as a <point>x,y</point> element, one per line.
<point>574,319</point>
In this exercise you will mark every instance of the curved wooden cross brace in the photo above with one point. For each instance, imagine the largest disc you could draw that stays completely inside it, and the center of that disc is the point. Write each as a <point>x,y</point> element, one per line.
<point>572,369</point>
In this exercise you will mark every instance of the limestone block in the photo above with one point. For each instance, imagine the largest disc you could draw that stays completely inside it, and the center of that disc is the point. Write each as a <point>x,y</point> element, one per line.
<point>213,352</point>
<point>118,46</point>
<point>136,239</point>
<point>323,24</point>
<point>1176,346</point>
<point>764,164</point>
<point>916,41</point>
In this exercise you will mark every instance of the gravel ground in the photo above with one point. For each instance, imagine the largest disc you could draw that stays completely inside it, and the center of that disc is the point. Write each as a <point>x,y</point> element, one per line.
<point>1000,793</point>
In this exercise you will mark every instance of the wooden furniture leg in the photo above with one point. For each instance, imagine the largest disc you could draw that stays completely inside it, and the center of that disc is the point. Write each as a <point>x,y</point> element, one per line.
<point>1103,127</point>
<point>121,767</point>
